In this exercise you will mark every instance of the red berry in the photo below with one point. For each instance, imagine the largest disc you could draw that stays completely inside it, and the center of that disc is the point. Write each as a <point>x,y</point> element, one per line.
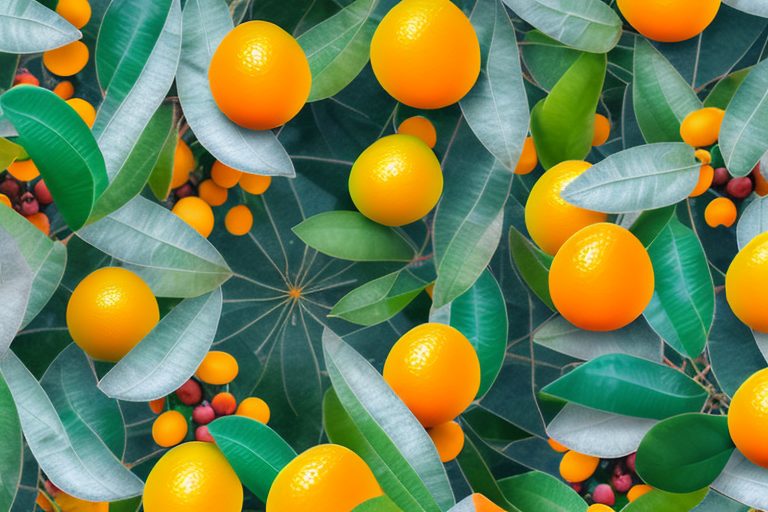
<point>25,77</point>
<point>51,488</point>
<point>739,188</point>
<point>721,177</point>
<point>631,462</point>
<point>42,193</point>
<point>224,404</point>
<point>604,494</point>
<point>184,191</point>
<point>29,205</point>
<point>203,414</point>
<point>622,483</point>
<point>190,393</point>
<point>576,486</point>
<point>10,187</point>
<point>202,434</point>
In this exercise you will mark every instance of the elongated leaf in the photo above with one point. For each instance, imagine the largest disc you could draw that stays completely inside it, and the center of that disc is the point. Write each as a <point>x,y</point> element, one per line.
<point>744,482</point>
<point>539,491</point>
<point>496,108</point>
<point>752,221</point>
<point>628,385</point>
<point>722,93</point>
<point>662,98</point>
<point>351,236</point>
<point>75,459</point>
<point>546,59</point>
<point>668,502</point>
<point>15,286</point>
<point>533,265</point>
<point>206,22</point>
<point>159,180</point>
<point>28,27</point>
<point>378,504</point>
<point>255,451</point>
<point>165,251</point>
<point>11,449</point>
<point>640,178</point>
<point>478,475</point>
<point>168,355</point>
<point>716,502</point>
<point>651,223</point>
<point>62,147</point>
<point>590,25</point>
<point>756,7</point>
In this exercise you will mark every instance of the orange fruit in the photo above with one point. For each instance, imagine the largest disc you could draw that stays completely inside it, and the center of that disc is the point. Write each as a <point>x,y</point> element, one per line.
<point>720,212</point>
<point>325,478</point>
<point>67,60</point>
<point>43,502</point>
<point>4,199</point>
<point>425,53</point>
<point>193,477</point>
<point>702,127</point>
<point>556,446</point>
<point>435,371</point>
<point>703,156</point>
<point>169,429</point>
<point>638,490</point>
<point>259,76</point>
<point>577,467</point>
<point>254,408</point>
<point>748,417</point>
<point>669,21</point>
<point>157,405</point>
<point>421,127</point>
<point>24,170</point>
<point>41,222</point>
<point>77,12</point>
<point>217,368</point>
<point>397,180</point>
<point>224,403</point>
<point>239,220</point>
<point>211,193</point>
<point>224,176</point>
<point>602,130</point>
<point>195,212</point>
<point>448,438</point>
<point>761,184</point>
<point>84,109</point>
<point>254,183</point>
<point>599,507</point>
<point>483,504</point>
<point>64,89</point>
<point>528,158</point>
<point>183,164</point>
<point>110,311</point>
<point>67,503</point>
<point>601,279</point>
<point>746,283</point>
<point>550,219</point>
<point>706,175</point>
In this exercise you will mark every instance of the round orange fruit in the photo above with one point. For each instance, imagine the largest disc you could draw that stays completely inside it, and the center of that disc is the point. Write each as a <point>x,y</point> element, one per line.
<point>748,418</point>
<point>669,21</point>
<point>746,283</point>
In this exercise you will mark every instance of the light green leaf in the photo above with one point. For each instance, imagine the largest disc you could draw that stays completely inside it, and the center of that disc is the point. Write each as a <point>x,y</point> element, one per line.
<point>532,263</point>
<point>722,93</point>
<point>744,482</point>
<point>11,449</point>
<point>668,502</point>
<point>28,27</point>
<point>756,7</point>
<point>15,286</point>
<point>752,221</point>
<point>378,504</point>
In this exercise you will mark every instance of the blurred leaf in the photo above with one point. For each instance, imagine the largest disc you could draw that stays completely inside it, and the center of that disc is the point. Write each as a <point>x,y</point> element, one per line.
<point>628,385</point>
<point>15,286</point>
<point>160,177</point>
<point>756,7</point>
<point>62,147</point>
<point>539,491</point>
<point>11,449</point>
<point>206,22</point>
<point>28,27</point>
<point>9,152</point>
<point>378,504</point>
<point>546,59</point>
<point>753,221</point>
<point>533,265</point>
<point>169,354</point>
<point>722,93</point>
<point>744,482</point>
<point>255,451</point>
<point>640,178</point>
<point>685,453</point>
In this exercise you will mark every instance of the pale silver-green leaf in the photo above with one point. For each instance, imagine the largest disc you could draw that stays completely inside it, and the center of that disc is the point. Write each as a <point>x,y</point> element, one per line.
<point>26,26</point>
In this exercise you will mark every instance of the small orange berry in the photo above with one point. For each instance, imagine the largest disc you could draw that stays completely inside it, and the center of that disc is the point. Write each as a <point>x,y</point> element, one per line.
<point>702,127</point>
<point>557,446</point>
<point>67,60</point>
<point>5,200</point>
<point>157,405</point>
<point>255,184</point>
<point>41,222</point>
<point>577,467</point>
<point>483,504</point>
<point>224,404</point>
<point>77,12</point>
<point>24,170</point>
<point>169,429</point>
<point>421,127</point>
<point>224,175</point>
<point>254,408</point>
<point>706,175</point>
<point>761,184</point>
<point>64,89</point>
<point>211,193</point>
<point>84,109</point>
<point>703,156</point>
<point>239,220</point>
<point>183,164</point>
<point>720,212</point>
<point>195,212</point>
<point>448,438</point>
<point>638,490</point>
<point>217,368</point>
<point>602,130</point>
<point>528,159</point>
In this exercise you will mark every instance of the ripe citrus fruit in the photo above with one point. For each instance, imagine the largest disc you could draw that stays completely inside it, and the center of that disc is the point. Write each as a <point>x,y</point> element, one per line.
<point>448,438</point>
<point>746,283</point>
<point>239,220</point>
<point>669,21</point>
<point>110,311</point>
<point>224,176</point>
<point>259,76</point>
<point>64,89</point>
<point>41,222</point>
<point>195,212</point>
<point>68,503</point>
<point>193,477</point>
<point>254,183</point>
<point>254,408</point>
<point>24,170</point>
<point>169,429</point>
<point>84,109</point>
<point>325,478</point>
<point>599,507</point>
<point>702,127</point>
<point>211,193</point>
<point>421,127</point>
<point>748,418</point>
<point>557,446</point>
<point>217,368</point>
<point>396,180</point>
<point>528,158</point>
<point>706,175</point>
<point>67,60</point>
<point>601,279</point>
<point>77,12</point>
<point>602,130</point>
<point>435,371</point>
<point>483,504</point>
<point>577,467</point>
<point>425,53</point>
<point>550,219</point>
<point>183,164</point>
<point>720,212</point>
<point>638,490</point>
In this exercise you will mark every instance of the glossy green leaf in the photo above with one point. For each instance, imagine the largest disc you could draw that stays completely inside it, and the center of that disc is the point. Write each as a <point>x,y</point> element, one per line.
<point>532,264</point>
<point>350,236</point>
<point>255,451</point>
<point>378,504</point>
<point>11,449</point>
<point>28,27</point>
<point>15,286</point>
<point>744,482</point>
<point>628,385</point>
<point>639,178</point>
<point>756,7</point>
<point>169,354</point>
<point>165,251</point>
<point>668,502</point>
<point>477,474</point>
<point>651,223</point>
<point>536,490</point>
<point>9,152</point>
<point>722,93</point>
<point>160,177</point>
<point>546,59</point>
<point>684,453</point>
<point>206,22</point>
<point>753,221</point>
<point>662,98</point>
<point>562,124</point>
<point>62,147</point>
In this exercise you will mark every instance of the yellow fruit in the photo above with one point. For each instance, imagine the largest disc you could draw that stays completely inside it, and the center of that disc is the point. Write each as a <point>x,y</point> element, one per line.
<point>483,504</point>
<point>24,170</point>
<point>425,53</point>
<point>746,283</point>
<point>702,127</point>
<point>211,193</point>
<point>259,76</point>
<point>217,368</point>
<point>397,180</point>
<point>720,212</point>
<point>169,429</point>
<point>183,164</point>
<point>67,60</point>
<point>435,371</point>
<point>195,212</point>
<point>255,184</point>
<point>528,158</point>
<point>77,12</point>
<point>110,311</point>
<point>5,200</point>
<point>669,21</point>
<point>64,89</point>
<point>67,503</point>
<point>599,507</point>
<point>84,109</point>
<point>638,490</point>
<point>557,446</point>
<point>703,156</point>
<point>239,220</point>
<point>448,438</point>
<point>421,127</point>
<point>224,176</point>
<point>577,467</point>
<point>602,278</point>
<point>193,477</point>
<point>706,175</point>
<point>255,408</point>
<point>748,416</point>
<point>325,478</point>
<point>602,130</point>
<point>549,218</point>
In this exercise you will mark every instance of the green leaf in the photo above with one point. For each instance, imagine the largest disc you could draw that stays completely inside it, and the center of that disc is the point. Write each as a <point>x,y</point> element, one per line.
<point>398,439</point>
<point>169,354</point>
<point>496,107</point>
<point>685,453</point>
<point>590,25</point>
<point>563,123</point>
<point>9,152</point>
<point>546,59</point>
<point>134,86</point>
<point>72,456</point>
<point>28,27</point>
<point>15,287</point>
<point>756,7</point>
<point>639,178</point>
<point>11,449</point>
<point>378,504</point>
<point>477,474</point>
<point>721,94</point>
<point>661,97</point>
<point>744,132</point>
<point>255,451</point>
<point>205,23</point>
<point>160,177</point>
<point>753,221</point>
<point>165,251</point>
<point>744,482</point>
<point>668,502</point>
<point>62,147</point>
<point>716,502</point>
<point>350,236</point>
<point>651,223</point>
<point>532,264</point>
<point>539,491</point>
<point>628,385</point>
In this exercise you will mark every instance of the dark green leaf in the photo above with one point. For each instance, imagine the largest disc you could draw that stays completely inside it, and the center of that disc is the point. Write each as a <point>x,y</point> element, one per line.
<point>650,223</point>
<point>533,265</point>
<point>722,93</point>
<point>11,449</point>
<point>159,180</point>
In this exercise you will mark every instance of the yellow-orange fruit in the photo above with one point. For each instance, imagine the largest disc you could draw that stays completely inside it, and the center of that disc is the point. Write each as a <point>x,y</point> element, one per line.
<point>67,60</point>
<point>602,130</point>
<point>169,429</point>
<point>706,175</point>
<point>255,408</point>
<point>211,193</point>
<point>224,175</point>
<point>24,170</point>
<point>720,212</point>
<point>84,109</point>
<point>218,368</point>
<point>254,183</point>
<point>449,440</point>
<point>669,21</point>
<point>748,416</point>
<point>702,127</point>
<point>577,467</point>
<point>239,220</point>
<point>528,158</point>
<point>421,127</point>
<point>195,212</point>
